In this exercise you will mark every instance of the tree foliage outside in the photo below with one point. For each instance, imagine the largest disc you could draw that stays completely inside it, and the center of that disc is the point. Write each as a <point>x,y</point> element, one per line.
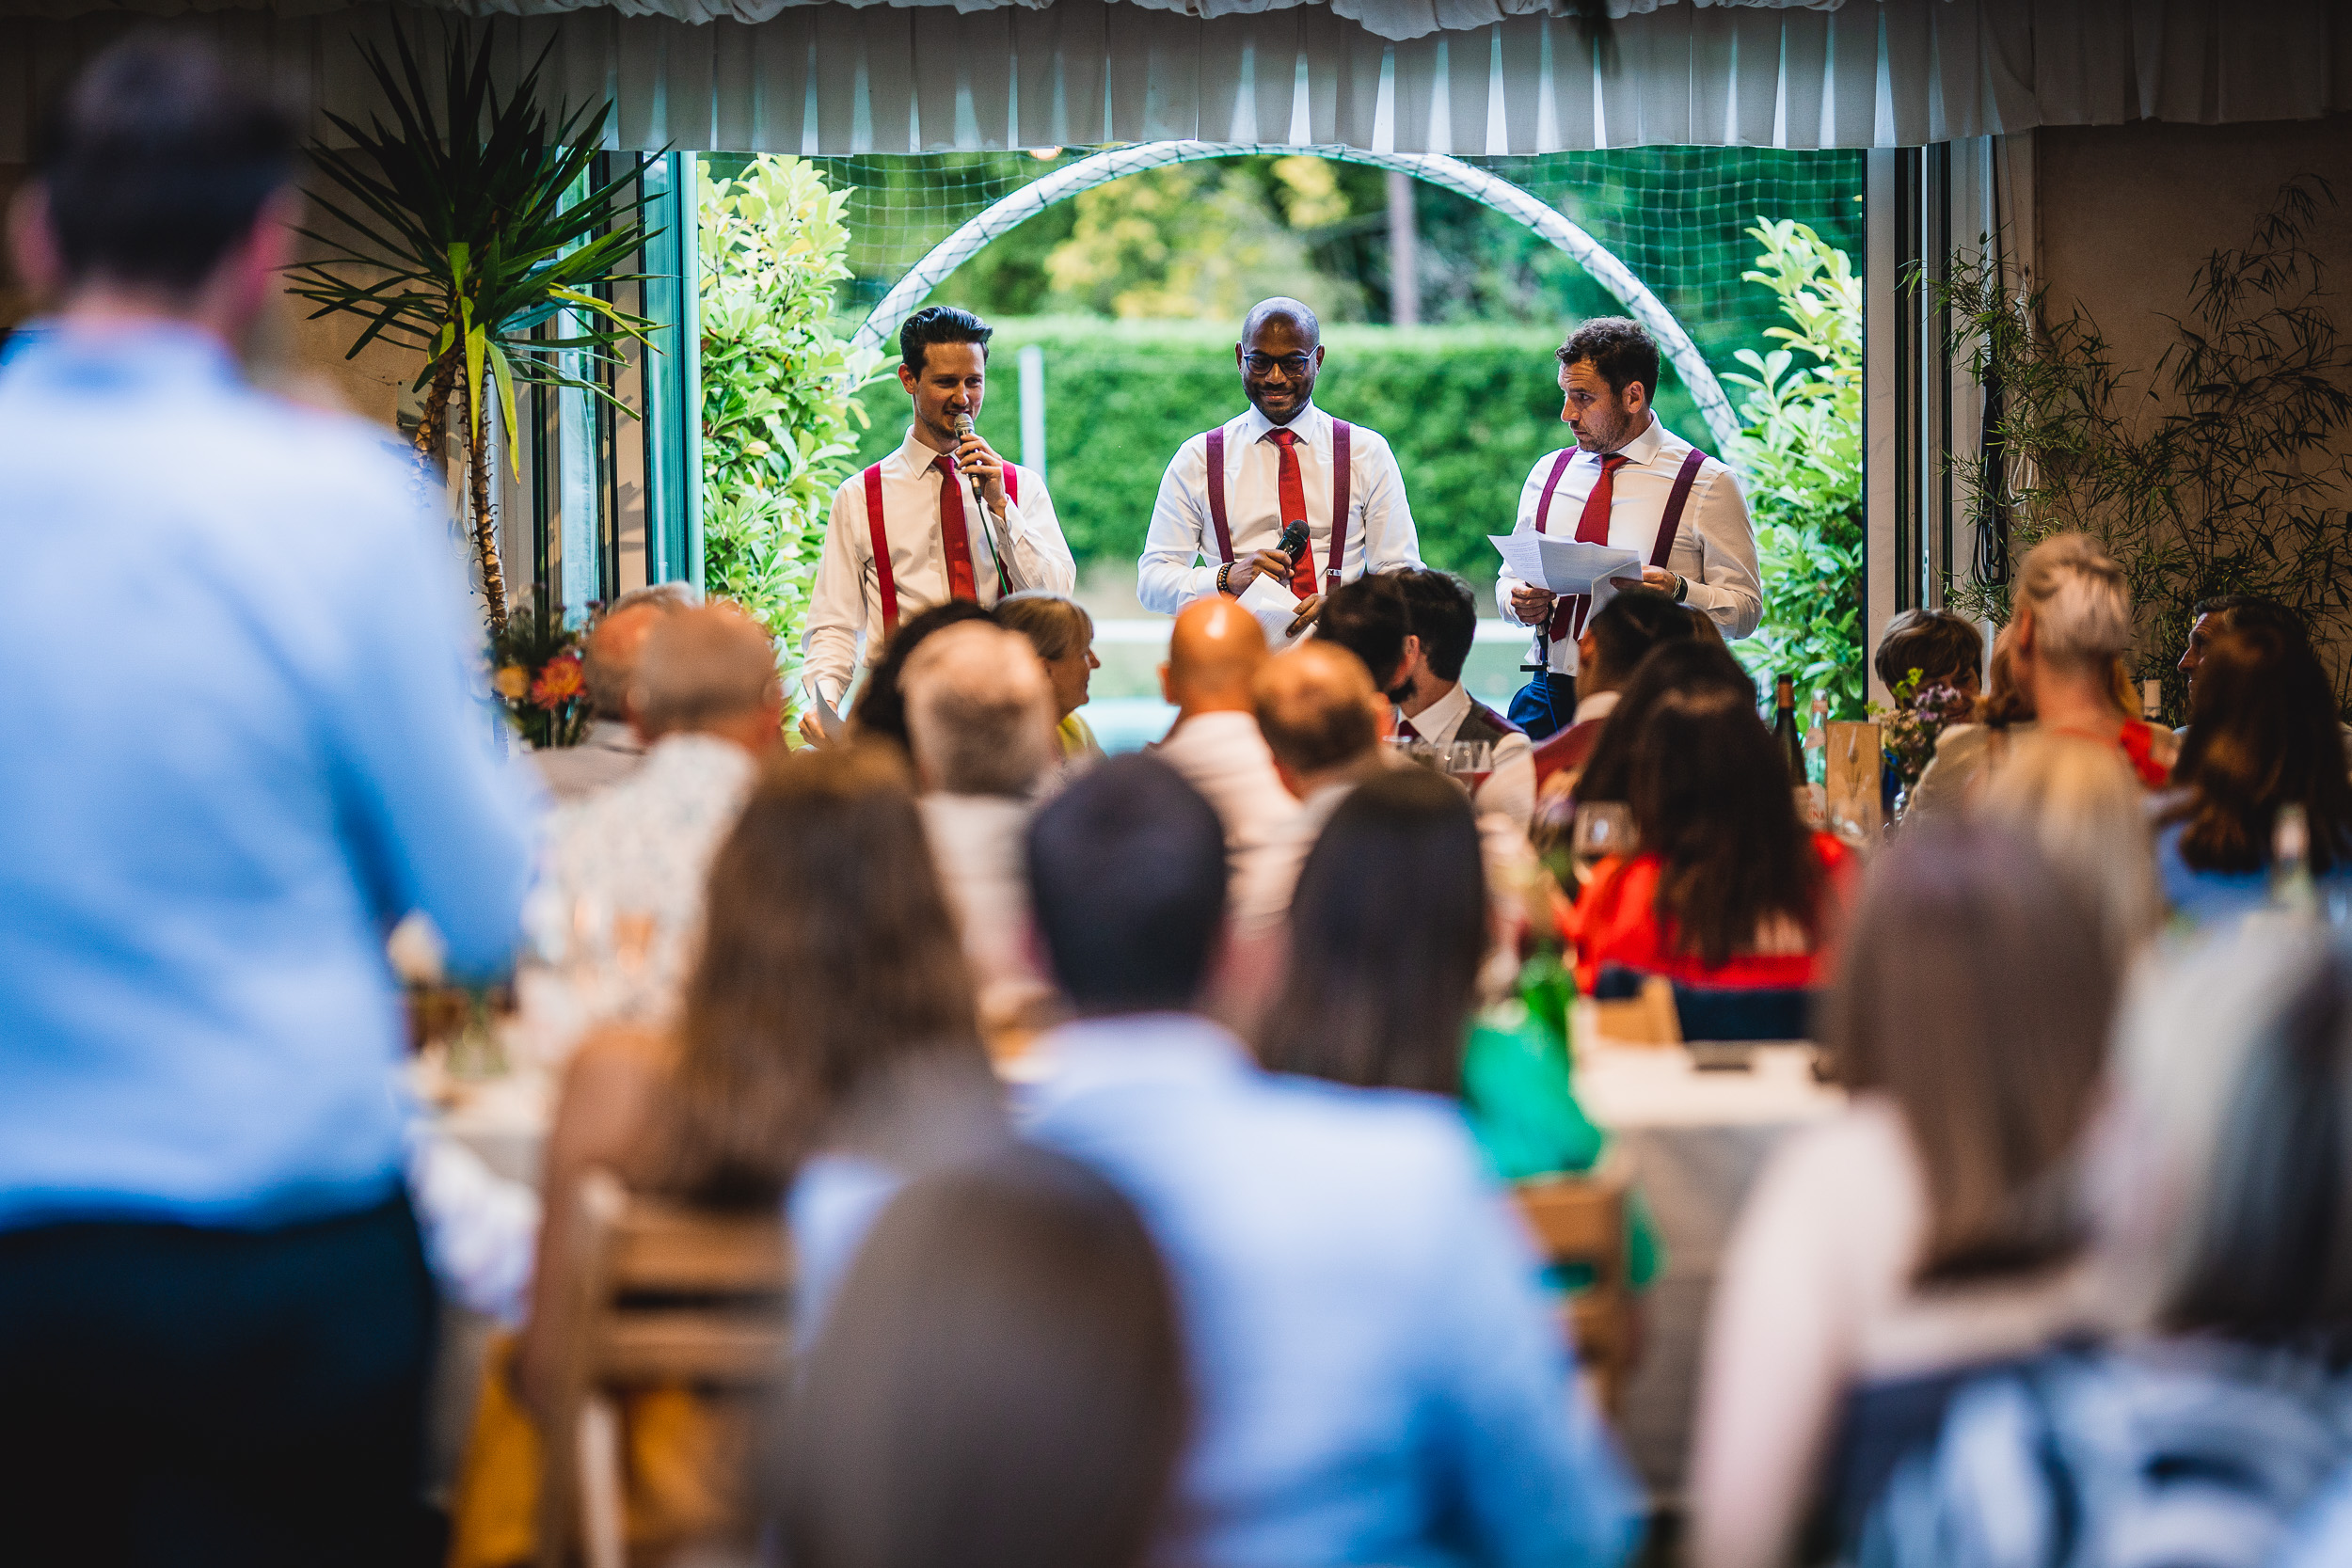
<point>2234,484</point>
<point>780,420</point>
<point>1800,454</point>
<point>479,225</point>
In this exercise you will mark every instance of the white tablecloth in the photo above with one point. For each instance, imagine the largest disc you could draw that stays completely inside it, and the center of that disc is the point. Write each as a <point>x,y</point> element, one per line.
<point>1693,1141</point>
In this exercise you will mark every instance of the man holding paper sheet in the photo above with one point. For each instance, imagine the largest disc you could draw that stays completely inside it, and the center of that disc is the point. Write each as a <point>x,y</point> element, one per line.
<point>1630,502</point>
<point>943,517</point>
<point>1226,494</point>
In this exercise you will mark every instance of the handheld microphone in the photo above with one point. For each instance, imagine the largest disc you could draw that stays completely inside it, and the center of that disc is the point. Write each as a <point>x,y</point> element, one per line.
<point>1293,541</point>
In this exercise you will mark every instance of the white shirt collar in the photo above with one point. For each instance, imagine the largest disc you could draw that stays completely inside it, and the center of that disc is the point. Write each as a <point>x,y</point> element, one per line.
<point>1440,719</point>
<point>1312,424</point>
<point>912,456</point>
<point>1598,706</point>
<point>1643,447</point>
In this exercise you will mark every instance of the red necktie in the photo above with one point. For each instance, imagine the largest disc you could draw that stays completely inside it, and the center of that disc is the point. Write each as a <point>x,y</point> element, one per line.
<point>1294,498</point>
<point>1404,729</point>
<point>1592,527</point>
<point>952,532</point>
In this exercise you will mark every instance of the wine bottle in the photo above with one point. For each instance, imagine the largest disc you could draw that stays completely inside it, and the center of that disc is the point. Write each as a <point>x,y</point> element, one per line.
<point>1785,729</point>
<point>1816,741</point>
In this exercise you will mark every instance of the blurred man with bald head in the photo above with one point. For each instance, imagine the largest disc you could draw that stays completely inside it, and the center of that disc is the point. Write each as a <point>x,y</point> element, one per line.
<point>611,751</point>
<point>1228,493</point>
<point>627,865</point>
<point>1214,654</point>
<point>980,723</point>
<point>1323,720</point>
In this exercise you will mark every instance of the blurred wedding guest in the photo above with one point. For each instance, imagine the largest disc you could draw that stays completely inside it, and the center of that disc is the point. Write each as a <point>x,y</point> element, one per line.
<point>2209,618</point>
<point>1390,929</point>
<point>1377,1376</point>
<point>828,1017</point>
<point>2083,807</point>
<point>1929,1230</point>
<point>1692,666</point>
<point>1729,888</point>
<point>626,867</point>
<point>1616,639</point>
<point>1062,633</point>
<point>2063,651</point>
<point>1214,652</point>
<point>610,750</point>
<point>2262,737</point>
<point>2213,1413</point>
<point>1941,647</point>
<point>980,713</point>
<point>1000,1383</point>
<point>216,1318</point>
<point>1436,705</point>
<point>1322,721</point>
<point>878,712</point>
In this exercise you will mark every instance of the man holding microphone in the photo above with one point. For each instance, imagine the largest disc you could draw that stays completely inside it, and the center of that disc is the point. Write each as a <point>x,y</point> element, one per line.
<point>943,517</point>
<point>1218,524</point>
<point>1630,483</point>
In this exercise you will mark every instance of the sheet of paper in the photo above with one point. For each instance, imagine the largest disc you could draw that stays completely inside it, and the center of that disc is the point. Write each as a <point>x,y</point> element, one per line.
<point>827,719</point>
<point>1565,565</point>
<point>1275,606</point>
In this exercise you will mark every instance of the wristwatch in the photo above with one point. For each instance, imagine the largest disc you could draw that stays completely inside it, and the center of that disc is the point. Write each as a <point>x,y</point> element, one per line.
<point>1682,589</point>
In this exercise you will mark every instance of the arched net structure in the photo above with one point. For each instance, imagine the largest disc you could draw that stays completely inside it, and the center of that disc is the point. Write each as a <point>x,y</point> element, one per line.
<point>1676,216</point>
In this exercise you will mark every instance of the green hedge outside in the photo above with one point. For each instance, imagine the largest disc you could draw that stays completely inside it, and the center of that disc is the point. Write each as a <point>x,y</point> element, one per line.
<point>1467,409</point>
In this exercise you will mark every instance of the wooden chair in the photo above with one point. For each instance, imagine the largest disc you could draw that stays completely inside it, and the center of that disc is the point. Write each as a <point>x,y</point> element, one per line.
<point>663,1295</point>
<point>1637,1011</point>
<point>1580,1221</point>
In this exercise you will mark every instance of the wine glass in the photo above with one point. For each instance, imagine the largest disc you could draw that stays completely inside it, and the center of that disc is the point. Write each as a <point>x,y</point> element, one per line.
<point>1468,762</point>
<point>1603,828</point>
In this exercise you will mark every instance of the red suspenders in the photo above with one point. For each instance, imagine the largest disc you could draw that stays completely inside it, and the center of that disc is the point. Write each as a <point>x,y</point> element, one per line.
<point>887,581</point>
<point>1343,481</point>
<point>1669,525</point>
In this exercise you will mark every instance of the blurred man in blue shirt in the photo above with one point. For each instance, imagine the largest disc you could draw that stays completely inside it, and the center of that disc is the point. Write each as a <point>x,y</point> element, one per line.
<point>1378,1376</point>
<point>243,748</point>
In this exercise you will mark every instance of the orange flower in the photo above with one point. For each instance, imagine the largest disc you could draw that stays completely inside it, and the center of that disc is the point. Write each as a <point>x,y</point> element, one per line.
<point>511,682</point>
<point>559,683</point>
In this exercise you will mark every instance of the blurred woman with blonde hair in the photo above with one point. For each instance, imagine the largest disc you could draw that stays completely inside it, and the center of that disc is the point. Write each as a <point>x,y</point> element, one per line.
<point>2055,668</point>
<point>2081,804</point>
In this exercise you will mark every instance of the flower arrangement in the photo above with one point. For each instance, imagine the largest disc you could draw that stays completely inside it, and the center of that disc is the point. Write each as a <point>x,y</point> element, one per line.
<point>536,672</point>
<point>1908,729</point>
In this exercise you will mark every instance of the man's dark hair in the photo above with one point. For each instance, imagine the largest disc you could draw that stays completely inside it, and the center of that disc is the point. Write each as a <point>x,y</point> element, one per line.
<point>158,160</point>
<point>1371,618</point>
<point>1619,349</point>
<point>1127,878</point>
<point>1936,642</point>
<point>939,324</point>
<point>2251,609</point>
<point>1445,616</point>
<point>1629,625</point>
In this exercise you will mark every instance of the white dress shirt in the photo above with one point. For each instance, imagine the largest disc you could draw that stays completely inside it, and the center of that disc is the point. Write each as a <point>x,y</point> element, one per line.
<point>845,610</point>
<point>1262,894</point>
<point>976,844</point>
<point>1180,555</point>
<point>1714,550</point>
<point>1224,758</point>
<point>1600,704</point>
<point>1510,788</point>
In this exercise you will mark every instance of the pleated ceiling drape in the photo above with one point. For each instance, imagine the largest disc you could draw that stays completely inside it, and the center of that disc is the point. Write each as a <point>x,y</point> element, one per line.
<point>1399,76</point>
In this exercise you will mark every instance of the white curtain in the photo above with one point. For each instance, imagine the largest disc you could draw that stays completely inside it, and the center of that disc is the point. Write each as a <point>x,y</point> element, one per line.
<point>836,78</point>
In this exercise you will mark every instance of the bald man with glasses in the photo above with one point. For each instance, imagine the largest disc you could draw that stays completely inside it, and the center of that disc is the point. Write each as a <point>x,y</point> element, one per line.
<point>1228,493</point>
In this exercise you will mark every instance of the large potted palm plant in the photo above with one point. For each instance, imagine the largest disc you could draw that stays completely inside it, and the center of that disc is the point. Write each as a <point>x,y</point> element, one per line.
<point>470,222</point>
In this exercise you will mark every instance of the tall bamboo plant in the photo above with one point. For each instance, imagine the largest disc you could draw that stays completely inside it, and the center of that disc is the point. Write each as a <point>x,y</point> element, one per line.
<point>471,222</point>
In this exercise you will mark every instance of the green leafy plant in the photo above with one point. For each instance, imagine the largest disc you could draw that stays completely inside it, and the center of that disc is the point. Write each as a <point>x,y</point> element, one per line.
<point>470,222</point>
<point>779,415</point>
<point>1801,454</point>
<point>2231,483</point>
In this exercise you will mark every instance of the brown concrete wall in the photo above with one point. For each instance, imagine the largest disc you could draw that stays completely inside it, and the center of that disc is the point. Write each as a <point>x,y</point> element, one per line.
<point>2127,213</point>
